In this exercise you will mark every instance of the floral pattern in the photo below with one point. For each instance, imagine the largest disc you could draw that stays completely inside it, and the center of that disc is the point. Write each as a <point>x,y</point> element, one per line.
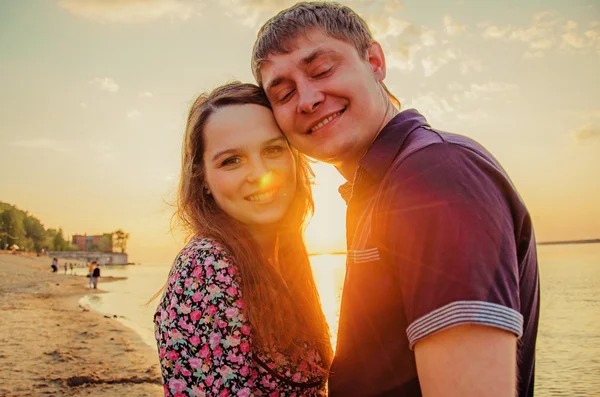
<point>205,341</point>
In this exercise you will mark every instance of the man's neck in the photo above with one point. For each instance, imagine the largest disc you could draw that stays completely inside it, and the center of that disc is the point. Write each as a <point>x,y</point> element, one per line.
<point>348,167</point>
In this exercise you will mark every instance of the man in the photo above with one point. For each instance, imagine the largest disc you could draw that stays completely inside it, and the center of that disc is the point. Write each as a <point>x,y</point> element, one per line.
<point>441,295</point>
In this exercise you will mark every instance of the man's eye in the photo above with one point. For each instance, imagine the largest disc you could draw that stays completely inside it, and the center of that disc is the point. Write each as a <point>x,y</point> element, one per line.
<point>287,96</point>
<point>230,161</point>
<point>322,74</point>
<point>273,151</point>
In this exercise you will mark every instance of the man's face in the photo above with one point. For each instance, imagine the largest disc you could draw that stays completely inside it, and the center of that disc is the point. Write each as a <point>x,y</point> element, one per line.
<point>326,97</point>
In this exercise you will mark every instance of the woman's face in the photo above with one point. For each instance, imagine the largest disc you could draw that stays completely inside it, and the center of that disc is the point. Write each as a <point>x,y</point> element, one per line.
<point>249,168</point>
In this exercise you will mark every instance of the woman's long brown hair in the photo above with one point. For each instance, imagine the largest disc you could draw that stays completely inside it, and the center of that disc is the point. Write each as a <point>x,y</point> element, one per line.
<point>283,307</point>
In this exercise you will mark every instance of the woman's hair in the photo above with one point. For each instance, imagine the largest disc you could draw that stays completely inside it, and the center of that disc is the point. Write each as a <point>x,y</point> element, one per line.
<point>282,317</point>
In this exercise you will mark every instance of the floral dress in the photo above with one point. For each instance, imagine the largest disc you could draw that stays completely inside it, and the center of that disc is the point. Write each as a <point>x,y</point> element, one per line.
<point>205,340</point>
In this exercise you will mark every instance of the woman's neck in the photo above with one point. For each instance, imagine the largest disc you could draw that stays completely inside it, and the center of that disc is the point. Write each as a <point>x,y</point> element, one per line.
<point>266,238</point>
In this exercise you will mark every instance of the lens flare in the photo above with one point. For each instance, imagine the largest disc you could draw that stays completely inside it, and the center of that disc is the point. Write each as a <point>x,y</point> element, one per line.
<point>266,180</point>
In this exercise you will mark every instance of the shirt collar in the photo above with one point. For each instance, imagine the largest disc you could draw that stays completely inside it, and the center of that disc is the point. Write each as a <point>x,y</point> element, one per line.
<point>384,149</point>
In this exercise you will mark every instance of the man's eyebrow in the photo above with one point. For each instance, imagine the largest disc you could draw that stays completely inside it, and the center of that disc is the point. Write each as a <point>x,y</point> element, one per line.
<point>274,83</point>
<point>306,60</point>
<point>316,54</point>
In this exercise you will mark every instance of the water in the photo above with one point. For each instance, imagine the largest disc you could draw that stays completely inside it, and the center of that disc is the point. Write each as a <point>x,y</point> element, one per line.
<point>568,353</point>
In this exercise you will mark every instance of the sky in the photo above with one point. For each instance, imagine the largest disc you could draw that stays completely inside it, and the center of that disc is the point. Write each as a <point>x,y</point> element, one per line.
<point>95,94</point>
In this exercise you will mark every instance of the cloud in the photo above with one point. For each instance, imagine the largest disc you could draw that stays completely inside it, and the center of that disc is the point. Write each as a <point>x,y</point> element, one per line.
<point>470,65</point>
<point>145,94</point>
<point>134,114</point>
<point>433,64</point>
<point>453,28</point>
<point>132,10</point>
<point>496,32</point>
<point>42,143</point>
<point>105,84</point>
<point>103,151</point>
<point>484,91</point>
<point>586,132</point>
<point>547,31</point>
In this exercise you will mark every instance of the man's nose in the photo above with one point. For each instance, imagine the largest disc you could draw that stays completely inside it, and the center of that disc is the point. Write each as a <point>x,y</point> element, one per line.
<point>309,98</point>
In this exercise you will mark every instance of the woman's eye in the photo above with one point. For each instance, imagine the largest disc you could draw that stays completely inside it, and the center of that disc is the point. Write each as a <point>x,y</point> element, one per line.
<point>273,151</point>
<point>230,161</point>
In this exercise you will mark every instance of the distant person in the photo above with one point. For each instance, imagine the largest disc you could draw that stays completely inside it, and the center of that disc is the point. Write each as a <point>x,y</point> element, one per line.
<point>240,315</point>
<point>54,265</point>
<point>66,266</point>
<point>95,275</point>
<point>441,295</point>
<point>91,268</point>
<point>72,267</point>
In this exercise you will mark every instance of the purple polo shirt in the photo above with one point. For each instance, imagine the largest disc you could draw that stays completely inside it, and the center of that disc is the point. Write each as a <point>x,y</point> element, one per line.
<point>437,236</point>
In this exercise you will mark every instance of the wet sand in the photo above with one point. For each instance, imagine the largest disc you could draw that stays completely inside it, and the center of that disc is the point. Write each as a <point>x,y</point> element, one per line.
<point>50,346</point>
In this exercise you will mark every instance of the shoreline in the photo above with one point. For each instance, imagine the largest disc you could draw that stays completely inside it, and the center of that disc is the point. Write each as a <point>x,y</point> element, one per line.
<point>52,345</point>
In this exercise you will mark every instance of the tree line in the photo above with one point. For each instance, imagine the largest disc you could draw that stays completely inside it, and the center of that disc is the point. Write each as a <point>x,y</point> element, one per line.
<point>19,228</point>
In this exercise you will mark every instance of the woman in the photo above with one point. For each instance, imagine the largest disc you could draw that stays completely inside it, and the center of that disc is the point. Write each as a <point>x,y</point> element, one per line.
<point>241,315</point>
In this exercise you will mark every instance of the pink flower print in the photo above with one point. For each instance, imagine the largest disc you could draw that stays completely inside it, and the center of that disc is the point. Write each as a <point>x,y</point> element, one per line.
<point>175,335</point>
<point>185,309</point>
<point>222,278</point>
<point>222,264</point>
<point>210,271</point>
<point>245,329</point>
<point>217,351</point>
<point>179,394</point>
<point>297,377</point>
<point>196,315</point>
<point>232,358</point>
<point>245,392</point>
<point>245,347</point>
<point>244,370</point>
<point>195,362</point>
<point>209,261</point>
<point>209,380</point>
<point>213,290</point>
<point>185,372</point>
<point>178,289</point>
<point>222,324</point>
<point>214,338</point>
<point>225,371</point>
<point>172,314</point>
<point>212,309</point>
<point>197,272</point>
<point>233,341</point>
<point>274,394</point>
<point>231,271</point>
<point>172,355</point>
<point>231,312</point>
<point>187,282</point>
<point>239,303</point>
<point>197,297</point>
<point>205,351</point>
<point>231,290</point>
<point>195,340</point>
<point>198,392</point>
<point>177,385</point>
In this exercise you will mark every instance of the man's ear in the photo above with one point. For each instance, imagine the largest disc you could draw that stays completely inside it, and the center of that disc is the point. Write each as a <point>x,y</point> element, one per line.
<point>376,60</point>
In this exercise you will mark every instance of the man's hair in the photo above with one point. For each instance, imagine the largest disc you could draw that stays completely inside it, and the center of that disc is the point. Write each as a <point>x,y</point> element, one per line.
<point>336,20</point>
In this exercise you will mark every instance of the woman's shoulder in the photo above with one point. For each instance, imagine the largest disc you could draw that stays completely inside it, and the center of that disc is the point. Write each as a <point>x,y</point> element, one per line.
<point>203,252</point>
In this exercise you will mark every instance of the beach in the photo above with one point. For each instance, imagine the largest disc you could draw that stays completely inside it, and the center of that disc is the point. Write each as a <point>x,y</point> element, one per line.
<point>50,345</point>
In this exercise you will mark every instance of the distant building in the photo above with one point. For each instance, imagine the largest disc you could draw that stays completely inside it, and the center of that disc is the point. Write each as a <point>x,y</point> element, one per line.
<point>100,243</point>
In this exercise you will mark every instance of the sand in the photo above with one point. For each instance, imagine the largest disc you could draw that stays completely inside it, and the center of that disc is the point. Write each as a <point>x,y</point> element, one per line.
<point>51,346</point>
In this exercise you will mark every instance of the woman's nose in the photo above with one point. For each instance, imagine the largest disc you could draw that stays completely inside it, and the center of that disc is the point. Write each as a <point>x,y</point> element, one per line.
<point>259,173</point>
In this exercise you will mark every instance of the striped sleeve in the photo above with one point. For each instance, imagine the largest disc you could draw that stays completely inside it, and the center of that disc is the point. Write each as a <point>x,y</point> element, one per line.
<point>465,312</point>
